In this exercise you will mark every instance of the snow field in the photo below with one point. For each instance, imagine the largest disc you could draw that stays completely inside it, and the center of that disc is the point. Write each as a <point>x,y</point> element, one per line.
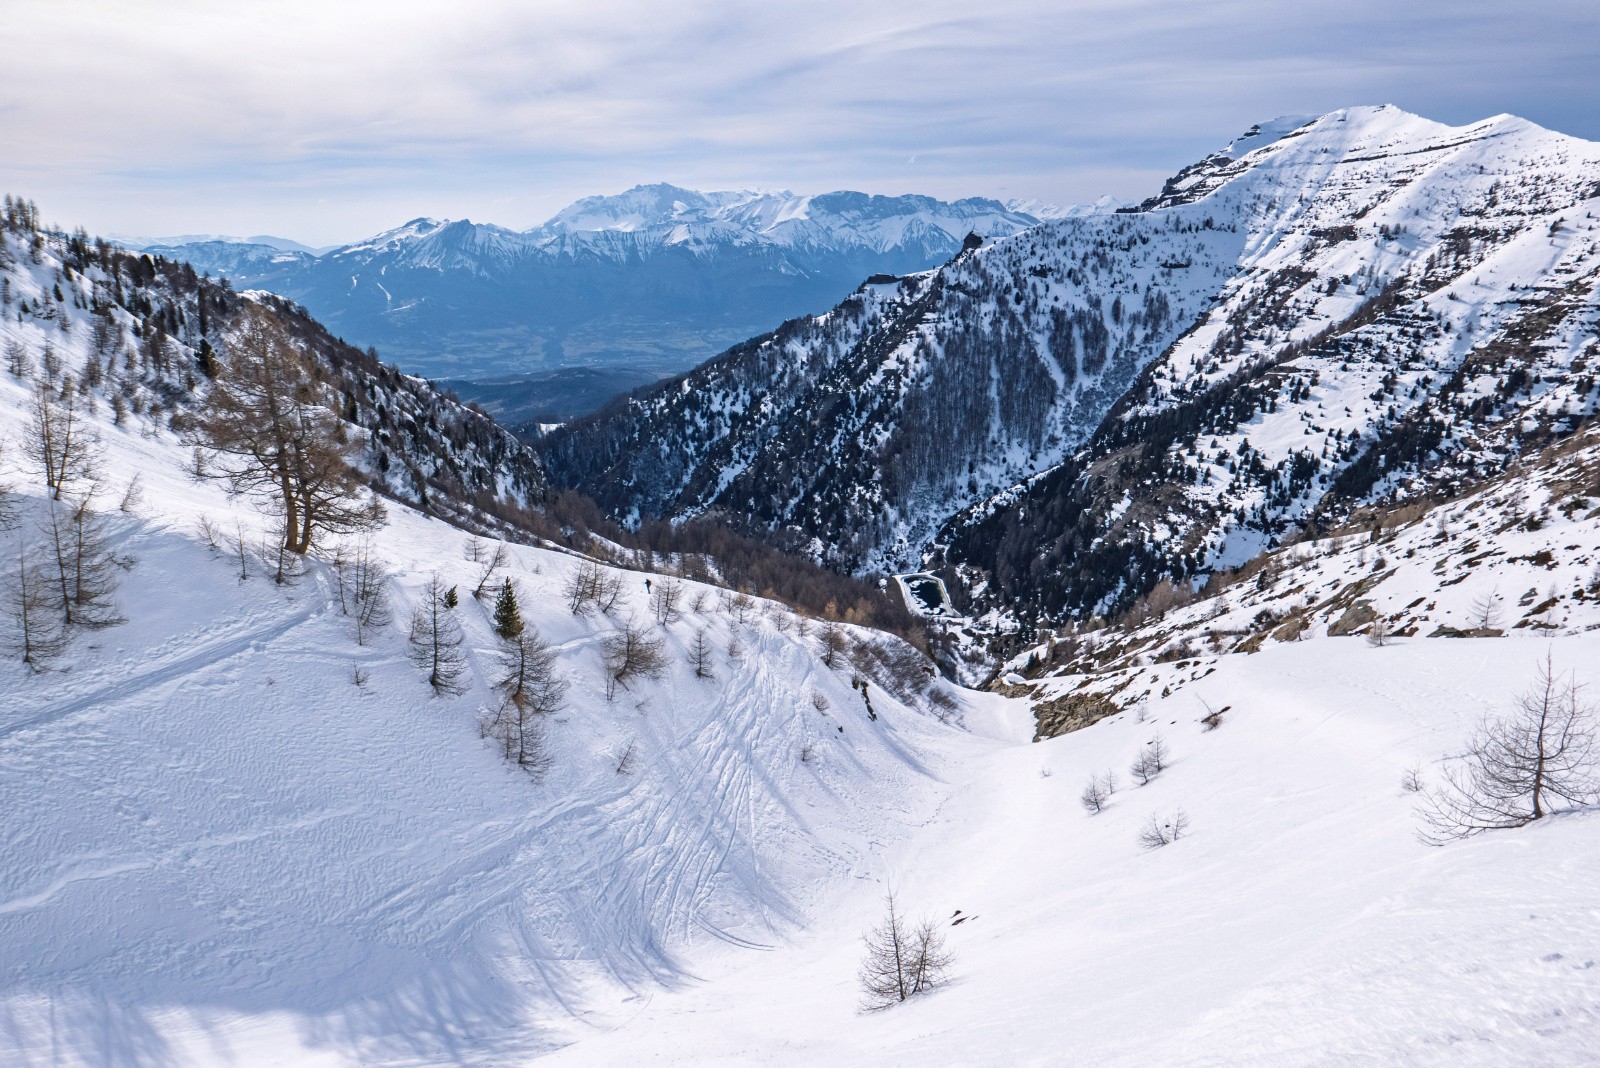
<point>1298,922</point>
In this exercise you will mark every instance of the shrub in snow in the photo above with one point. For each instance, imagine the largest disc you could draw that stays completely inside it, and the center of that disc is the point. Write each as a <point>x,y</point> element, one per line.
<point>1411,779</point>
<point>631,654</point>
<point>1163,830</point>
<point>1097,792</point>
<point>902,960</point>
<point>1151,761</point>
<point>1519,768</point>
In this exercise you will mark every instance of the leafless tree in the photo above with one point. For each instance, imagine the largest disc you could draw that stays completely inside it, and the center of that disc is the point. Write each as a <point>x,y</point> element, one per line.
<point>741,606</point>
<point>1378,633</point>
<point>631,653</point>
<point>369,590</point>
<point>531,688</point>
<point>946,707</point>
<point>901,960</point>
<point>106,336</point>
<point>490,562</point>
<point>241,552</point>
<point>61,447</point>
<point>1163,830</point>
<point>592,587</point>
<point>700,656</point>
<point>36,633</point>
<point>819,701</point>
<point>207,529</point>
<point>665,596</point>
<point>269,415</point>
<point>84,564</point>
<point>1151,761</point>
<point>1486,611</point>
<point>831,644</point>
<point>288,566</point>
<point>436,641</point>
<point>1520,767</point>
<point>17,361</point>
<point>1097,793</point>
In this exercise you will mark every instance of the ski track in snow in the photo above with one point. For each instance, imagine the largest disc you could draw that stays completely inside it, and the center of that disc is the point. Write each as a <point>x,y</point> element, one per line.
<point>167,670</point>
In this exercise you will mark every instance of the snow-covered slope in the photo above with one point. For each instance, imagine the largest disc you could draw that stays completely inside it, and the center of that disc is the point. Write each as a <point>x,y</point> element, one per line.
<point>236,835</point>
<point>658,275</point>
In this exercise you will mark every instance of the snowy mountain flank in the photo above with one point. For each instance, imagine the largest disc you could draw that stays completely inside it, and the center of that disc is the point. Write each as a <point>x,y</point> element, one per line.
<point>1361,306</point>
<point>659,276</point>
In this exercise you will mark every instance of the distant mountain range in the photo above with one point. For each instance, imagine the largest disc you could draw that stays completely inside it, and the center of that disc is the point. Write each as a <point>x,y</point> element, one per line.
<point>657,278</point>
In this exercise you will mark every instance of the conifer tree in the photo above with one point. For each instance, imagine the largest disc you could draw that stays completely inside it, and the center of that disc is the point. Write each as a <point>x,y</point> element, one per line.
<point>507,615</point>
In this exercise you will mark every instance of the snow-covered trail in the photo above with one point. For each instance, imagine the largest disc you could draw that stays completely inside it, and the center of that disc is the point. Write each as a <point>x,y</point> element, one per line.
<point>1299,923</point>
<point>178,659</point>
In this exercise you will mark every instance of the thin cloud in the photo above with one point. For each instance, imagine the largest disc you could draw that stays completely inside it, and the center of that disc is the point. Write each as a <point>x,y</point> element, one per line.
<point>327,121</point>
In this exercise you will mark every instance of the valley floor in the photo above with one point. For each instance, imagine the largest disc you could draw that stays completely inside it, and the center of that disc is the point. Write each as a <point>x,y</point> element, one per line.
<point>1300,921</point>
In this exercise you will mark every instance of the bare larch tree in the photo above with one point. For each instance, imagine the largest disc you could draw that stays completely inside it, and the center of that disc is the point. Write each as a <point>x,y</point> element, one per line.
<point>31,605</point>
<point>629,654</point>
<point>902,960</point>
<point>665,599</point>
<point>531,687</point>
<point>269,414</point>
<point>65,452</point>
<point>701,656</point>
<point>1520,767</point>
<point>436,640</point>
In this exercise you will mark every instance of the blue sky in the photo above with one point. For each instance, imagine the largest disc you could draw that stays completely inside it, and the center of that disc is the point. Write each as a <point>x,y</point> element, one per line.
<point>328,121</point>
